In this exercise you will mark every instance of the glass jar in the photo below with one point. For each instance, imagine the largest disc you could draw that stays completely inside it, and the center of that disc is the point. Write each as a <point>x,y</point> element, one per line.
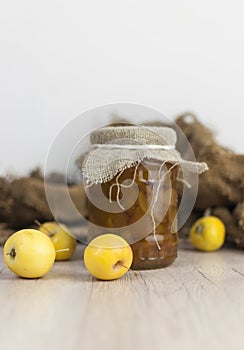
<point>149,222</point>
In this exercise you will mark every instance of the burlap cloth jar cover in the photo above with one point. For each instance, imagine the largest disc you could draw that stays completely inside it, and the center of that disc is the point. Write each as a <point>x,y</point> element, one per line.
<point>117,148</point>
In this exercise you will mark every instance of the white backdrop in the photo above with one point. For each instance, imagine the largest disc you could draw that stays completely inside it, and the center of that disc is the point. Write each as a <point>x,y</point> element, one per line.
<point>59,58</point>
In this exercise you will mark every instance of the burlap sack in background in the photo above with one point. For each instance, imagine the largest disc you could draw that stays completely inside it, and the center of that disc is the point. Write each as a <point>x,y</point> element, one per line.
<point>221,189</point>
<point>23,201</point>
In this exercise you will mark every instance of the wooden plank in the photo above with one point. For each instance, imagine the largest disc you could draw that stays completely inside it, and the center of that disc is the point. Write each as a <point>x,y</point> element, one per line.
<point>197,303</point>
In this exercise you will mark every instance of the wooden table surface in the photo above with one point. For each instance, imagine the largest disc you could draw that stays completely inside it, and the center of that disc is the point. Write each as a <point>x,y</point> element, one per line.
<point>196,303</point>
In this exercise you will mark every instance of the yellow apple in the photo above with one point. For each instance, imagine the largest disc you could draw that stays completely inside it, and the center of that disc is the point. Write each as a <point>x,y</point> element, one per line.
<point>63,242</point>
<point>108,257</point>
<point>208,234</point>
<point>29,253</point>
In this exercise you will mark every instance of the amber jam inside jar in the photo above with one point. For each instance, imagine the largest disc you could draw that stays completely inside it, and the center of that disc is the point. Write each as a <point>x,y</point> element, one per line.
<point>149,223</point>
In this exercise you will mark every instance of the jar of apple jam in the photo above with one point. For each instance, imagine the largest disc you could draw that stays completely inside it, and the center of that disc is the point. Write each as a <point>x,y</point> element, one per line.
<point>130,175</point>
<point>149,223</point>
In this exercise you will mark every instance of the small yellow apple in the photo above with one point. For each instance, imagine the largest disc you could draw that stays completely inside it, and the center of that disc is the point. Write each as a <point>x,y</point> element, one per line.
<point>108,257</point>
<point>63,242</point>
<point>208,234</point>
<point>29,253</point>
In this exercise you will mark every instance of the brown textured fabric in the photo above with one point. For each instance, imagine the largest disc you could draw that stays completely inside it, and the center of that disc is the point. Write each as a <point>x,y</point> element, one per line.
<point>222,187</point>
<point>5,232</point>
<point>23,200</point>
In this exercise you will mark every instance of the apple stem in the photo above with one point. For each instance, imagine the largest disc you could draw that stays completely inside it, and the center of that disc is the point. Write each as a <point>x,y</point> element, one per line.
<point>207,212</point>
<point>125,266</point>
<point>49,233</point>
<point>37,222</point>
<point>63,250</point>
<point>120,263</point>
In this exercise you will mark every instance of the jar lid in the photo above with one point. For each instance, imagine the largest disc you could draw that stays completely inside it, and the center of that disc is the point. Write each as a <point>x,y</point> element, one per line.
<point>134,135</point>
<point>118,148</point>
